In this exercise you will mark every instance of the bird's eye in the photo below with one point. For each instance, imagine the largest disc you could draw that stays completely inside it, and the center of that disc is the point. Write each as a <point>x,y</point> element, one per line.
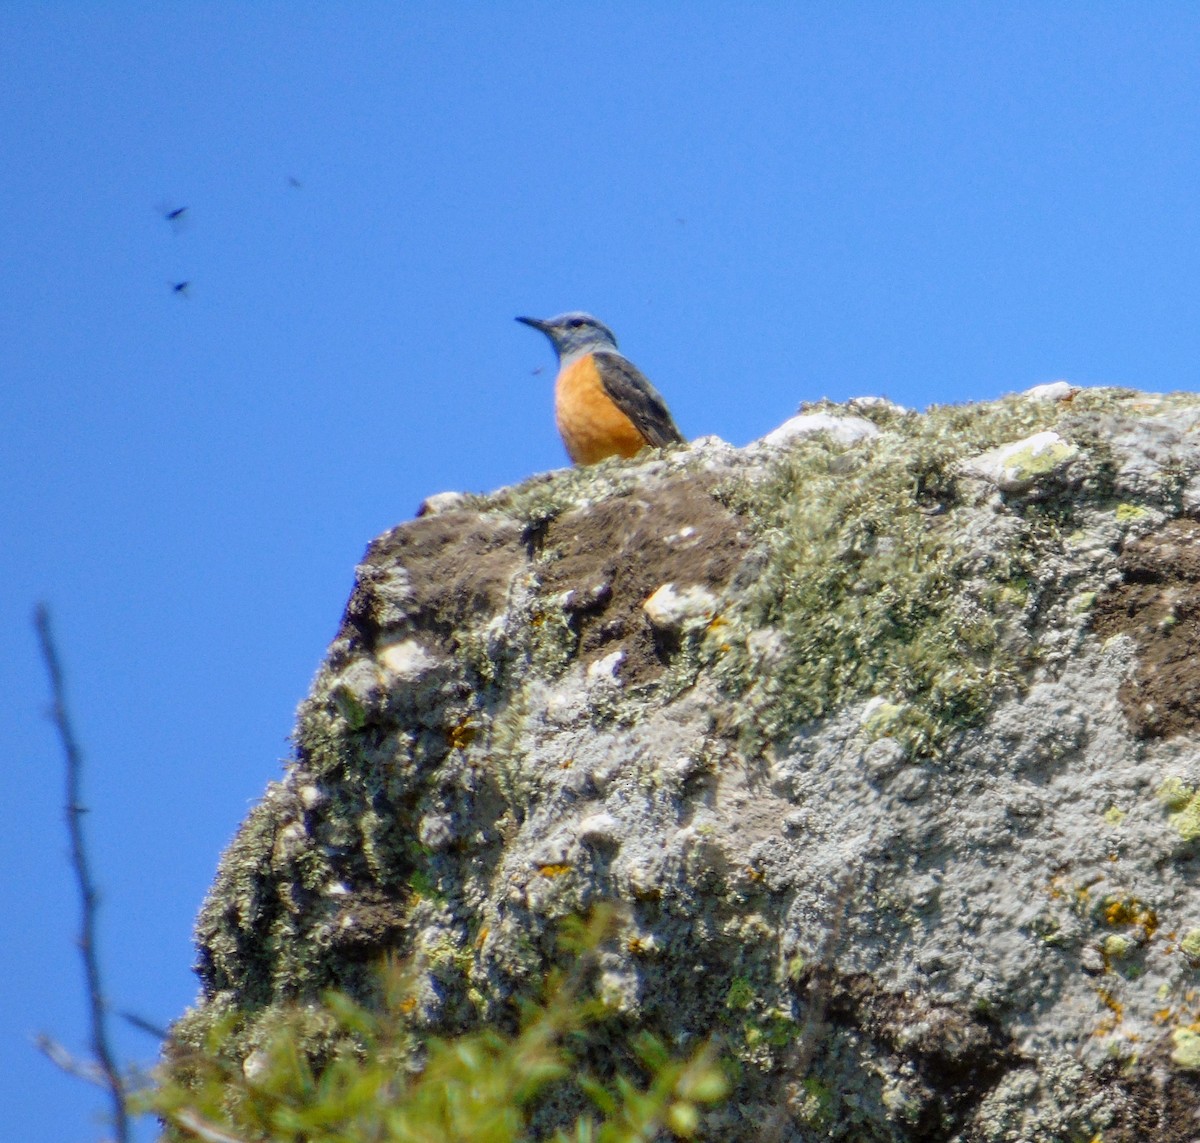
<point>574,323</point>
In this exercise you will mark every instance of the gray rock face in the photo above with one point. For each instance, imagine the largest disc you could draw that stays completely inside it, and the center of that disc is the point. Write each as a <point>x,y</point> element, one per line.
<point>885,740</point>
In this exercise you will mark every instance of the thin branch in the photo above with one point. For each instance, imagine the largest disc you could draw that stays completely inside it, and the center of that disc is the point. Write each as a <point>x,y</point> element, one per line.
<point>65,1061</point>
<point>144,1025</point>
<point>87,890</point>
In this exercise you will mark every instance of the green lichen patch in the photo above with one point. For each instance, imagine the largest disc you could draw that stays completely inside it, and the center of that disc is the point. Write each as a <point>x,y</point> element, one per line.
<point>873,588</point>
<point>1190,945</point>
<point>1174,793</point>
<point>815,1105</point>
<point>1183,803</point>
<point>741,993</point>
<point>1117,946</point>
<point>1186,1052</point>
<point>1128,512</point>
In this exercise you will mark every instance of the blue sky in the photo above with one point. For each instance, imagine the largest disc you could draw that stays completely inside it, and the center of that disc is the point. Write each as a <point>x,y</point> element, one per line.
<point>769,203</point>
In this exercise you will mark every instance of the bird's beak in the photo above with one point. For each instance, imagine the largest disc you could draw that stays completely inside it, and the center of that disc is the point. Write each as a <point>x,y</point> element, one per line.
<point>537,323</point>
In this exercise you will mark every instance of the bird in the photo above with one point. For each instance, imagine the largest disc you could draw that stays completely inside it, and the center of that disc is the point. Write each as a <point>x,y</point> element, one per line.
<point>174,216</point>
<point>603,405</point>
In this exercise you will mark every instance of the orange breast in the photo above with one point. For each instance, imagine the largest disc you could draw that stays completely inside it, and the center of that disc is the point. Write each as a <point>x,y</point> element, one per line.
<point>592,427</point>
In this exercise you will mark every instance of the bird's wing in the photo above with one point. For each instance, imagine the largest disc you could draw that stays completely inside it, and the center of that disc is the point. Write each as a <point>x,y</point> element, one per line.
<point>637,399</point>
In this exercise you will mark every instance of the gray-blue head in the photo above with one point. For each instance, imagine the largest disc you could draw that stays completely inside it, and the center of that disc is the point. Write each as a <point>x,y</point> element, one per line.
<point>574,333</point>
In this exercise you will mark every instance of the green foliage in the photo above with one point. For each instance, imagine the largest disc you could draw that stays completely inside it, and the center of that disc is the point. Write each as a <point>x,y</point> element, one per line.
<point>364,1073</point>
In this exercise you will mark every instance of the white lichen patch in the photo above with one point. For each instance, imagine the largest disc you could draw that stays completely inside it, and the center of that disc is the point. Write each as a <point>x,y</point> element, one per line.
<point>407,660</point>
<point>846,430</point>
<point>605,668</point>
<point>442,502</point>
<point>672,608</point>
<point>876,402</point>
<point>1051,391</point>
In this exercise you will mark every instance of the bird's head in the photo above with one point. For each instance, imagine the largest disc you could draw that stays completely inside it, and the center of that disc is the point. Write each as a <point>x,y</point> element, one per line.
<point>574,333</point>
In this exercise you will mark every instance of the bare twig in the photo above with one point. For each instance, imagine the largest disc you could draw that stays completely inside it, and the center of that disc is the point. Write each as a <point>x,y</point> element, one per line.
<point>105,1062</point>
<point>144,1025</point>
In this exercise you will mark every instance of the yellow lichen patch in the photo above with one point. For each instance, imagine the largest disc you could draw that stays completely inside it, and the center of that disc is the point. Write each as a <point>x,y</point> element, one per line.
<point>462,735</point>
<point>641,946</point>
<point>555,869</point>
<point>716,623</point>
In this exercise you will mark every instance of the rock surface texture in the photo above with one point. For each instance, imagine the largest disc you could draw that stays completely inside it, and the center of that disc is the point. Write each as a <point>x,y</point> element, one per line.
<point>884,737</point>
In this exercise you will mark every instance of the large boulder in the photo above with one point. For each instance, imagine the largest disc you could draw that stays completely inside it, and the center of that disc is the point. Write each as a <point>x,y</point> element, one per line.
<point>885,740</point>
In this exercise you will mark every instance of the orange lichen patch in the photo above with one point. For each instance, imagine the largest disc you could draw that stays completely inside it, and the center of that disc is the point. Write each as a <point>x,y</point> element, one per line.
<point>566,764</point>
<point>755,874</point>
<point>1108,1024</point>
<point>1130,911</point>
<point>554,870</point>
<point>1164,1016</point>
<point>462,735</point>
<point>481,936</point>
<point>1111,1003</point>
<point>717,621</point>
<point>408,1005</point>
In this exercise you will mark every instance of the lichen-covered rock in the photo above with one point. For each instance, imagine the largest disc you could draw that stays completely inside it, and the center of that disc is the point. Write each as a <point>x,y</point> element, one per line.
<point>1018,466</point>
<point>886,740</point>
